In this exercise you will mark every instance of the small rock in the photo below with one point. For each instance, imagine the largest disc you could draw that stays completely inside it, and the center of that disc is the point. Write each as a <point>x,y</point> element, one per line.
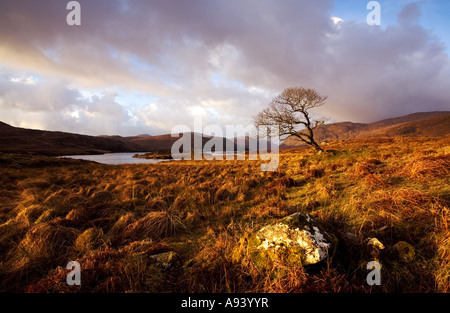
<point>375,243</point>
<point>167,260</point>
<point>404,251</point>
<point>374,247</point>
<point>295,240</point>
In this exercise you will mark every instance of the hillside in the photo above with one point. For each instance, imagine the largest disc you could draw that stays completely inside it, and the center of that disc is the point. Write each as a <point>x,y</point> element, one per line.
<point>246,143</point>
<point>163,143</point>
<point>21,140</point>
<point>424,124</point>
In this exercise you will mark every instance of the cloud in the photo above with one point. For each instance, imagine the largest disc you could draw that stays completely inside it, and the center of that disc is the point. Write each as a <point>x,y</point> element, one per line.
<point>31,102</point>
<point>379,73</point>
<point>222,59</point>
<point>409,14</point>
<point>336,20</point>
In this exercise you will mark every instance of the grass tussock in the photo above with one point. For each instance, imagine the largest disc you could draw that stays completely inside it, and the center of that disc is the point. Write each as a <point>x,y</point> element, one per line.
<point>183,226</point>
<point>429,167</point>
<point>154,225</point>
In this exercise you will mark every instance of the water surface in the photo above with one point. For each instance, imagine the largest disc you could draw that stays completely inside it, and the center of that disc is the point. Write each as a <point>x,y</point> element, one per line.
<point>115,158</point>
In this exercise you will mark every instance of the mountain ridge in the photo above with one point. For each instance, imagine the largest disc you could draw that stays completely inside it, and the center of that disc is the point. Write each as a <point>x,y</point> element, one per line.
<point>420,124</point>
<point>23,140</point>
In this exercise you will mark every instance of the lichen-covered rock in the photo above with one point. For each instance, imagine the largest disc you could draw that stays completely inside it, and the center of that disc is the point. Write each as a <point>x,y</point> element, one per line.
<point>296,240</point>
<point>375,243</point>
<point>374,247</point>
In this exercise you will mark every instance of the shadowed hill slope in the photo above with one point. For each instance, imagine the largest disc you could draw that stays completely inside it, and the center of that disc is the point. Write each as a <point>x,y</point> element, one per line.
<point>425,124</point>
<point>21,140</point>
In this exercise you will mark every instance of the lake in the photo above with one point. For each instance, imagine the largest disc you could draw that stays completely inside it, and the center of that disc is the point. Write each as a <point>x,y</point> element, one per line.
<point>115,158</point>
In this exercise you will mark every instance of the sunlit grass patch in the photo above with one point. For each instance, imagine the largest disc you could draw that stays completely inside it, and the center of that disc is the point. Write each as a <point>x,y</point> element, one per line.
<point>113,218</point>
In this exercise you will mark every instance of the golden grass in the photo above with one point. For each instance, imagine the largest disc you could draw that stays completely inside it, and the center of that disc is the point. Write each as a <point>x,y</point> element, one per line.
<point>154,225</point>
<point>42,244</point>
<point>90,239</point>
<point>429,167</point>
<point>113,218</point>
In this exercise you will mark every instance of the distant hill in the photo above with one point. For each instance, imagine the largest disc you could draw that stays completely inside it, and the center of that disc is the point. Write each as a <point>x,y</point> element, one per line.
<point>423,124</point>
<point>22,140</point>
<point>246,143</point>
<point>164,143</point>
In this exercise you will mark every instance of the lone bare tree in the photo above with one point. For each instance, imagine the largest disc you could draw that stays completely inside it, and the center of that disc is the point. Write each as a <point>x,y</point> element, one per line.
<point>290,110</point>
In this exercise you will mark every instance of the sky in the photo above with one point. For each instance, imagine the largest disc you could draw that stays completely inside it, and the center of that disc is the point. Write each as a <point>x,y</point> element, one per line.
<point>142,67</point>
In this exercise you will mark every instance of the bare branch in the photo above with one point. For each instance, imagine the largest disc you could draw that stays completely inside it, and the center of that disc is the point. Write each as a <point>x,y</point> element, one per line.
<point>291,109</point>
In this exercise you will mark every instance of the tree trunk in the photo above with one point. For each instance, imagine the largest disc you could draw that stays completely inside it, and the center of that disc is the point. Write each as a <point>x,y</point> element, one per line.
<point>316,146</point>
